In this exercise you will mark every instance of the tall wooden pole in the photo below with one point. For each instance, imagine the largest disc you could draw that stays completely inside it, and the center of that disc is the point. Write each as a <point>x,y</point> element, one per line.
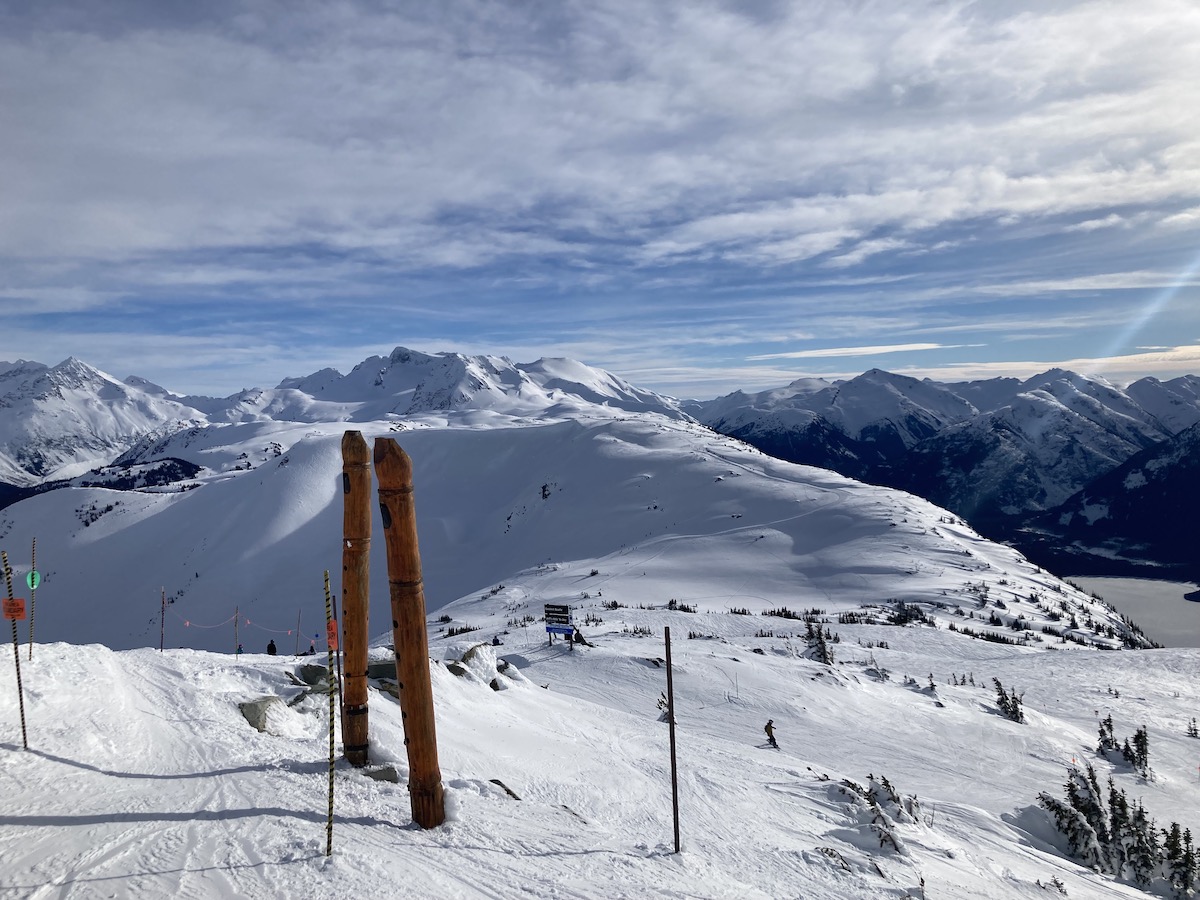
<point>356,576</point>
<point>393,469</point>
<point>671,718</point>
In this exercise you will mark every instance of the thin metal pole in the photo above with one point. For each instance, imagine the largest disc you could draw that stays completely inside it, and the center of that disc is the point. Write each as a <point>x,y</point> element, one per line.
<point>300,610</point>
<point>671,719</point>
<point>237,613</point>
<point>162,621</point>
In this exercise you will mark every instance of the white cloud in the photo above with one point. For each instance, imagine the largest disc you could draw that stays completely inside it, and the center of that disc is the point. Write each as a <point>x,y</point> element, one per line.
<point>836,352</point>
<point>762,141</point>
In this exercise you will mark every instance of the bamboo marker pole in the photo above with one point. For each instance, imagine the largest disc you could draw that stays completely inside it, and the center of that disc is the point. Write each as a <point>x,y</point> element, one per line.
<point>331,636</point>
<point>393,469</point>
<point>332,754</point>
<point>16,650</point>
<point>356,576</point>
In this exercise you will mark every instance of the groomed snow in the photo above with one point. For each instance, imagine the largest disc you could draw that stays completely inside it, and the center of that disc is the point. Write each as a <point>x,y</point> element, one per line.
<point>143,778</point>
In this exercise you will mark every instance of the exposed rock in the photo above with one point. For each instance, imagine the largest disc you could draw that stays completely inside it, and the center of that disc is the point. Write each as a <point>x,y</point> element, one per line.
<point>258,712</point>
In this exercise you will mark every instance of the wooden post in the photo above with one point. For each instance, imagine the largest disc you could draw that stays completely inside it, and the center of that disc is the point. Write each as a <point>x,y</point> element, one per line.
<point>671,719</point>
<point>393,469</point>
<point>356,576</point>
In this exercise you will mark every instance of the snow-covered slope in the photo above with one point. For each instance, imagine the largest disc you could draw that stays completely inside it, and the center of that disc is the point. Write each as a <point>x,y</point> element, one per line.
<point>897,776</point>
<point>261,518</point>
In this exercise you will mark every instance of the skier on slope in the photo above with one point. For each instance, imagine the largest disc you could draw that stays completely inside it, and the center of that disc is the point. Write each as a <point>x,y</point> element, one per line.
<point>769,728</point>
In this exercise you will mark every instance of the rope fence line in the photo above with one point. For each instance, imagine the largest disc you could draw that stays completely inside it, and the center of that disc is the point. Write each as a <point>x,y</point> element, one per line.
<point>242,620</point>
<point>188,623</point>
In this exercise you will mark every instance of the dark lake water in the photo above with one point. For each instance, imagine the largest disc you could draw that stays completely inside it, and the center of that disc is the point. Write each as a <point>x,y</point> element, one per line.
<point>1158,607</point>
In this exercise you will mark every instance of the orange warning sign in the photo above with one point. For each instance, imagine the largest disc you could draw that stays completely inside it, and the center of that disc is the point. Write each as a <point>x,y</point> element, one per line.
<point>14,607</point>
<point>331,634</point>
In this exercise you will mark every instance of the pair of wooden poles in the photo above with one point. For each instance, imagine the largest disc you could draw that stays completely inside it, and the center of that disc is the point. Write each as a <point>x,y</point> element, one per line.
<point>393,468</point>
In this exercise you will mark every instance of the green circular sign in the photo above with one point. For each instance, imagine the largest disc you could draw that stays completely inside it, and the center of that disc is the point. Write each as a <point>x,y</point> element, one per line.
<point>33,579</point>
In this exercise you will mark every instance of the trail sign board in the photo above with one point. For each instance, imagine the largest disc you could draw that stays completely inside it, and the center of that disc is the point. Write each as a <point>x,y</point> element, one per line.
<point>557,614</point>
<point>331,634</point>
<point>560,629</point>
<point>33,579</point>
<point>14,608</point>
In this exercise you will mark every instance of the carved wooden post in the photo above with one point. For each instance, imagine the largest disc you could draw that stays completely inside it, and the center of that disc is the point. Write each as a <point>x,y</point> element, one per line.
<point>393,468</point>
<point>356,568</point>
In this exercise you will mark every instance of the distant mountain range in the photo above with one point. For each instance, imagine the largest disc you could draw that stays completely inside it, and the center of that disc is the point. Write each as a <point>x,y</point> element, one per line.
<point>1018,459</point>
<point>58,422</point>
<point>1074,471</point>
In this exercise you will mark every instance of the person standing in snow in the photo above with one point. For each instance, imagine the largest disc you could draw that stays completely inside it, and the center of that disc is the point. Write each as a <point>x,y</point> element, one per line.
<point>271,649</point>
<point>769,728</point>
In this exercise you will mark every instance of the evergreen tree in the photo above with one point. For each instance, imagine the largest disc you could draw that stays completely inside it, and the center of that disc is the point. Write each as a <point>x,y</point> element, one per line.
<point>1141,750</point>
<point>1118,827</point>
<point>1009,702</point>
<point>1183,874</point>
<point>1143,851</point>
<point>1107,740</point>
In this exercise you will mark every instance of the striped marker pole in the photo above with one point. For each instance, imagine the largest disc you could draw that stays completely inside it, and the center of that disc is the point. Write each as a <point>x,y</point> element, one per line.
<point>16,649</point>
<point>33,583</point>
<point>328,625</point>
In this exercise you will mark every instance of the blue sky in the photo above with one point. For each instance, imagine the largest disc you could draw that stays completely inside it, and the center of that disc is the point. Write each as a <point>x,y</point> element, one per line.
<point>698,196</point>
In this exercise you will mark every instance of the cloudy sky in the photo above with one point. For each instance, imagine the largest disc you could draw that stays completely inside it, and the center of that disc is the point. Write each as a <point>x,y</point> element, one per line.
<point>697,195</point>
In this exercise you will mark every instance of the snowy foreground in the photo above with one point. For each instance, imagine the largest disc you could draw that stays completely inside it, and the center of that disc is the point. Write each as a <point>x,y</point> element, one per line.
<point>143,778</point>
